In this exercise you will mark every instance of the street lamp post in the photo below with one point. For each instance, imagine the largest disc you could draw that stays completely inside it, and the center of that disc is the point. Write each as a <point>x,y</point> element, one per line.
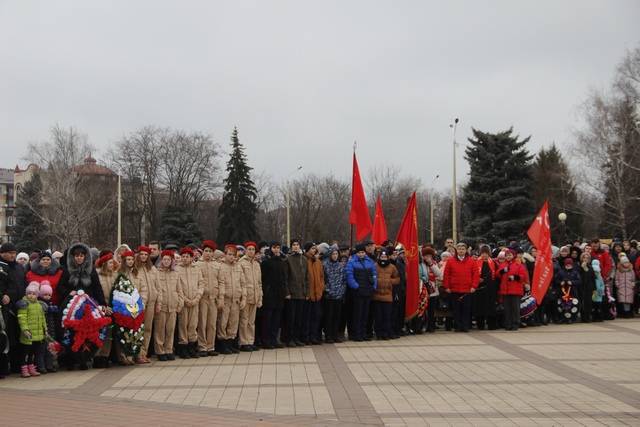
<point>563,223</point>
<point>454,223</point>
<point>119,210</point>
<point>299,168</point>
<point>431,209</point>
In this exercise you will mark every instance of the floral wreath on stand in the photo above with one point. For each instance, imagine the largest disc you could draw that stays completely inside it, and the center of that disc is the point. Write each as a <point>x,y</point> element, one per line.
<point>128,315</point>
<point>84,322</point>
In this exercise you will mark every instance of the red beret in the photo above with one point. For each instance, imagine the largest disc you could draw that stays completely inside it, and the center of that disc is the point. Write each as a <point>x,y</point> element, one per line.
<point>230,246</point>
<point>167,252</point>
<point>186,250</point>
<point>250,243</point>
<point>104,258</point>
<point>126,254</point>
<point>143,249</point>
<point>209,244</point>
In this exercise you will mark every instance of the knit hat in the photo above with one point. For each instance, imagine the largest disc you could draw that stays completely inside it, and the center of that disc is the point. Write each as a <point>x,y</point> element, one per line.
<point>209,244</point>
<point>142,248</point>
<point>22,255</point>
<point>34,288</point>
<point>501,254</point>
<point>217,254</point>
<point>428,250</point>
<point>360,247</point>
<point>44,254</point>
<point>307,246</point>
<point>624,259</point>
<point>186,250</point>
<point>568,261</point>
<point>45,288</point>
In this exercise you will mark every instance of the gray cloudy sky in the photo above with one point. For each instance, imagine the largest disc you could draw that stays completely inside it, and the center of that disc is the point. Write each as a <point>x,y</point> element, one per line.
<point>302,80</point>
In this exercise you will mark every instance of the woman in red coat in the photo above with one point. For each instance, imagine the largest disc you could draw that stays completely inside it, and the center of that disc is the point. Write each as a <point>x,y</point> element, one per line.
<point>460,279</point>
<point>45,268</point>
<point>513,276</point>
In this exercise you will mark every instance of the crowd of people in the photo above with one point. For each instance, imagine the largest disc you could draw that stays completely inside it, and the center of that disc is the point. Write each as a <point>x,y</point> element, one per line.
<point>201,301</point>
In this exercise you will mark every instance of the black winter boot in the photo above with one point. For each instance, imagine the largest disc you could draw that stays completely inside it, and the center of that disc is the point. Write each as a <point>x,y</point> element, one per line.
<point>183,352</point>
<point>193,350</point>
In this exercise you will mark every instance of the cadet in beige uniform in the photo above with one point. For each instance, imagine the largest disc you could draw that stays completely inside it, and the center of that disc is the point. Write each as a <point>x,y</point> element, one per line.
<point>192,286</point>
<point>107,272</point>
<point>253,277</point>
<point>145,279</point>
<point>212,299</point>
<point>234,301</point>
<point>171,302</point>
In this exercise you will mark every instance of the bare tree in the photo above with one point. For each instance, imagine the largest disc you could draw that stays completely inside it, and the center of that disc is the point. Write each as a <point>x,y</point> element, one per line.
<point>608,147</point>
<point>136,157</point>
<point>76,206</point>
<point>189,168</point>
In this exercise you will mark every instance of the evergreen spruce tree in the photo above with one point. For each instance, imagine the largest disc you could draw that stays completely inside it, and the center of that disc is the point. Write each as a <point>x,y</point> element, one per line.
<point>552,181</point>
<point>177,225</point>
<point>30,232</point>
<point>237,213</point>
<point>498,200</point>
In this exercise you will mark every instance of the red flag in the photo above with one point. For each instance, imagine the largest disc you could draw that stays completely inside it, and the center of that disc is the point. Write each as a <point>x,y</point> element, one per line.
<point>540,235</point>
<point>379,225</point>
<point>408,236</point>
<point>359,215</point>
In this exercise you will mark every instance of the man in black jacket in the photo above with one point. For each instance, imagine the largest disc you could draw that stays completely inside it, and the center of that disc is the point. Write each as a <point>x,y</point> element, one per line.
<point>12,287</point>
<point>274,269</point>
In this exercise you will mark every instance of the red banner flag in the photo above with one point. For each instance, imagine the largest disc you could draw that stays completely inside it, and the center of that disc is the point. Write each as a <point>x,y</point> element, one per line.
<point>359,215</point>
<point>540,235</point>
<point>408,236</point>
<point>379,234</point>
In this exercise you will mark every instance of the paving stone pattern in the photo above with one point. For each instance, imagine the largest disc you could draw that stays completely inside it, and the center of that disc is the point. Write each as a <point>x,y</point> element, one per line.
<point>574,375</point>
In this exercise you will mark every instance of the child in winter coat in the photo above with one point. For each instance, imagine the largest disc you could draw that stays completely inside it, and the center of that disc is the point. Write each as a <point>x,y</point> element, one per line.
<point>598,293</point>
<point>46,359</point>
<point>568,281</point>
<point>33,329</point>
<point>625,280</point>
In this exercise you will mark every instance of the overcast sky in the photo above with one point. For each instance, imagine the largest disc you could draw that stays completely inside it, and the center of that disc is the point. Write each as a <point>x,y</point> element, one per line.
<point>303,80</point>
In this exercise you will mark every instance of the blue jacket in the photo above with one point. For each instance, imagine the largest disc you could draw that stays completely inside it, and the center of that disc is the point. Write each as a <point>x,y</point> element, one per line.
<point>362,275</point>
<point>335,283</point>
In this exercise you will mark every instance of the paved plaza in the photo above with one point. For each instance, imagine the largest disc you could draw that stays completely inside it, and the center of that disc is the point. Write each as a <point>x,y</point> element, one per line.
<point>582,374</point>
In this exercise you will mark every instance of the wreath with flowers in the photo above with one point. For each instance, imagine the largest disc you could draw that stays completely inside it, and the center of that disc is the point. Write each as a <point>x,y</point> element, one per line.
<point>128,315</point>
<point>84,322</point>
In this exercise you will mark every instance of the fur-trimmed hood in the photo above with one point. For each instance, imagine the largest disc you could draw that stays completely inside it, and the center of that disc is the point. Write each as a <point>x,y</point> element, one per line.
<point>41,271</point>
<point>79,276</point>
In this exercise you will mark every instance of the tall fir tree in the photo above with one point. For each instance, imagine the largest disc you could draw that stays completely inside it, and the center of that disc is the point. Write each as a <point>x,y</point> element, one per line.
<point>552,181</point>
<point>177,225</point>
<point>497,200</point>
<point>237,213</point>
<point>30,232</point>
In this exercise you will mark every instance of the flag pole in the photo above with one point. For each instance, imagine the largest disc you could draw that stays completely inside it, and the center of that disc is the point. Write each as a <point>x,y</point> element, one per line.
<point>355,144</point>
